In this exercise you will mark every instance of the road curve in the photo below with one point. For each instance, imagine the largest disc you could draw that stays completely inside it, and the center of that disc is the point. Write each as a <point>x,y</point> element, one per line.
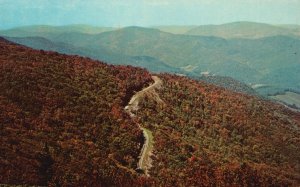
<point>132,107</point>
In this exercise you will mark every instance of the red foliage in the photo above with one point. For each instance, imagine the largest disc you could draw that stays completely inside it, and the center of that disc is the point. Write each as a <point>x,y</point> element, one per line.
<point>61,116</point>
<point>209,136</point>
<point>62,123</point>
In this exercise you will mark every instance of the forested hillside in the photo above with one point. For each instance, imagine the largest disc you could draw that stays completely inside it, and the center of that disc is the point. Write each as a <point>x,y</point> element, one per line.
<point>207,136</point>
<point>63,123</point>
<point>94,52</point>
<point>269,56</point>
<point>228,83</point>
<point>62,119</point>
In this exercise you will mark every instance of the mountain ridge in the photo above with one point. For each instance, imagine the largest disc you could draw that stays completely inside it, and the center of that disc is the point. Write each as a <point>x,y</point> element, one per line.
<point>244,30</point>
<point>253,61</point>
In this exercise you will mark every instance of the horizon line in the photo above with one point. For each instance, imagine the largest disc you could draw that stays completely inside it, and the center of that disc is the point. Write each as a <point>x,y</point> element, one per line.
<point>144,26</point>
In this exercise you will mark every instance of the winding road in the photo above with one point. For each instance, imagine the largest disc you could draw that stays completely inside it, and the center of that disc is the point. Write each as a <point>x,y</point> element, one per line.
<point>145,161</point>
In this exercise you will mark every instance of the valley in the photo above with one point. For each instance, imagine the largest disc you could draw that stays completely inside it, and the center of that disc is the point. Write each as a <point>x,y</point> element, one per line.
<point>289,98</point>
<point>271,59</point>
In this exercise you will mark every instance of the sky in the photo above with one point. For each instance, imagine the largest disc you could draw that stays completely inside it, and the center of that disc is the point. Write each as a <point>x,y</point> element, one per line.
<point>119,13</point>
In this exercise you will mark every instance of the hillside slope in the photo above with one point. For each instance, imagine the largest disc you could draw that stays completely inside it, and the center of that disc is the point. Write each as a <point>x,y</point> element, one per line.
<point>258,61</point>
<point>98,53</point>
<point>228,83</point>
<point>272,60</point>
<point>63,122</point>
<point>207,136</point>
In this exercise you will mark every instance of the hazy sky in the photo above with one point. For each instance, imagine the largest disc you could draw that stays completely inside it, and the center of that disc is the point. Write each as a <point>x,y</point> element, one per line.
<point>146,12</point>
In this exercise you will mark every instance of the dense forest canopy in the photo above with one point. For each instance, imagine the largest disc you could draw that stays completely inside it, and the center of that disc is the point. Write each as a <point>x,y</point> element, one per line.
<point>62,123</point>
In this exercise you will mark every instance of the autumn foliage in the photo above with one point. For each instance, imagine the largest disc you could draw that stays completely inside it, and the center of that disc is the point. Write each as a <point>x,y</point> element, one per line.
<point>62,123</point>
<point>209,136</point>
<point>62,120</point>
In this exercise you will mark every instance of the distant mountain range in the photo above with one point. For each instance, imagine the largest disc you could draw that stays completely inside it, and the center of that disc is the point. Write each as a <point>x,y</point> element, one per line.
<point>254,53</point>
<point>245,30</point>
<point>46,30</point>
<point>150,63</point>
<point>175,29</point>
